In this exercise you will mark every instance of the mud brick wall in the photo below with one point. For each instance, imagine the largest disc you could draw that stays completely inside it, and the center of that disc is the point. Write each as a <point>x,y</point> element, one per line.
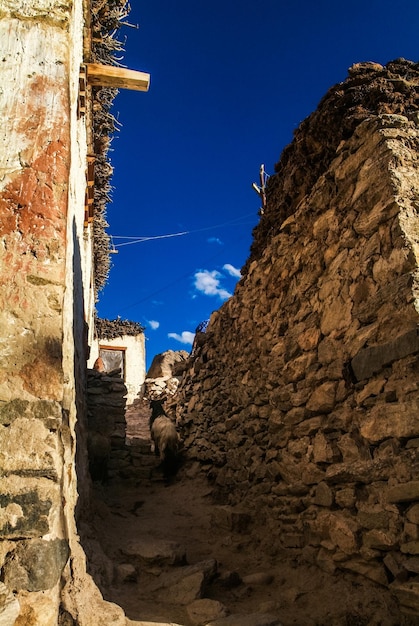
<point>302,401</point>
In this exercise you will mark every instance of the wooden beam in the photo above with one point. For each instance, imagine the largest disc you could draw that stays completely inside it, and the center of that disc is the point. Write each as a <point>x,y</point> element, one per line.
<point>117,77</point>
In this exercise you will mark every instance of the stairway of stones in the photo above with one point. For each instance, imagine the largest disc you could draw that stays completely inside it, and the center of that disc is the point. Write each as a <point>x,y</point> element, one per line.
<point>168,554</point>
<point>161,558</point>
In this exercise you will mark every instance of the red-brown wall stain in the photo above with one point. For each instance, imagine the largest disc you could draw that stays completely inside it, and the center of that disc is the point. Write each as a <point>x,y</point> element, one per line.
<point>43,378</point>
<point>33,204</point>
<point>33,222</point>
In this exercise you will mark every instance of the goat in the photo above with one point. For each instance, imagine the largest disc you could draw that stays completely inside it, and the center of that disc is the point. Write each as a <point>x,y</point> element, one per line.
<point>165,438</point>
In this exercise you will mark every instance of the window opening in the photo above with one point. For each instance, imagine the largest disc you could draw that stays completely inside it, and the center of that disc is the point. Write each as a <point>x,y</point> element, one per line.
<point>113,358</point>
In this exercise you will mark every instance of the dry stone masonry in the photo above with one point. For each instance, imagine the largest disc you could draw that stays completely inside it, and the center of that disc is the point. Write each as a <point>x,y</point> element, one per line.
<point>116,448</point>
<point>302,400</point>
<point>165,373</point>
<point>106,423</point>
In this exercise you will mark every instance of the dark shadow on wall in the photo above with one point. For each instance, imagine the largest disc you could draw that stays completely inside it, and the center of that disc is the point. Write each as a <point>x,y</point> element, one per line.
<point>83,511</point>
<point>97,562</point>
<point>80,335</point>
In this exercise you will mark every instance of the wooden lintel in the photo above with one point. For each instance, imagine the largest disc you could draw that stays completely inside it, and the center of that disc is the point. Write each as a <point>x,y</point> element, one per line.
<point>117,77</point>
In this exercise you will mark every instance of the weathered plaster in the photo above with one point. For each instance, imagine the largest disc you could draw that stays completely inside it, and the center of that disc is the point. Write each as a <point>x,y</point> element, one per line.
<point>49,11</point>
<point>134,361</point>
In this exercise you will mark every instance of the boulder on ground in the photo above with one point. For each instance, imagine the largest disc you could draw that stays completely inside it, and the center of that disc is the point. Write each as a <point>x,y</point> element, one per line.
<point>202,611</point>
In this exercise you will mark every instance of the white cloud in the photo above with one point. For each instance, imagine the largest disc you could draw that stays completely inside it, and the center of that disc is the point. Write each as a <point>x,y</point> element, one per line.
<point>185,337</point>
<point>153,324</point>
<point>215,240</point>
<point>209,284</point>
<point>233,271</point>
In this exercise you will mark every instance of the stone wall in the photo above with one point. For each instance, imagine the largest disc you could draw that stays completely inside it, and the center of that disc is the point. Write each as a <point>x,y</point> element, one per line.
<point>45,270</point>
<point>35,164</point>
<point>302,401</point>
<point>106,400</point>
<point>115,454</point>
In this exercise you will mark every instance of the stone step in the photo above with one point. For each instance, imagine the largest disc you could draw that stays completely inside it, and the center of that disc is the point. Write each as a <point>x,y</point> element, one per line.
<point>144,461</point>
<point>140,452</point>
<point>138,445</point>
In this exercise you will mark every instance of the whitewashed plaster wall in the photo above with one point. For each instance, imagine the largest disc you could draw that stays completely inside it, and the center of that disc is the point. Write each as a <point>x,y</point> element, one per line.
<point>45,271</point>
<point>135,369</point>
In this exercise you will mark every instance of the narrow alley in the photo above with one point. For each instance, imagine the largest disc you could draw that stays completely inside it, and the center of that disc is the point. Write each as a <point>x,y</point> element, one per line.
<point>173,555</point>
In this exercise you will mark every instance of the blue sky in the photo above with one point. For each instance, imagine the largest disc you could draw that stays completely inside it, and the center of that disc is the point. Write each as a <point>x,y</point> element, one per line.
<point>230,82</point>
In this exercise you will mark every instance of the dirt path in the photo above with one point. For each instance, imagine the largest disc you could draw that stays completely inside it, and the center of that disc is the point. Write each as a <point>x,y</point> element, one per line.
<point>184,512</point>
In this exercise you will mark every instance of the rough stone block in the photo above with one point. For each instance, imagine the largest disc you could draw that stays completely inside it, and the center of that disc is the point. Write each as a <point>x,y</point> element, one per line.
<point>345,498</point>
<point>358,472</point>
<point>393,563</point>
<point>372,389</point>
<point>373,518</point>
<point>379,540</point>
<point>373,571</point>
<point>322,399</point>
<point>9,606</point>
<point>24,515</point>
<point>411,564</point>
<point>343,533</point>
<point>296,369</point>
<point>411,531</point>
<point>336,316</point>
<point>186,584</point>
<point>371,360</point>
<point>396,292</point>
<point>309,339</point>
<point>405,492</point>
<point>322,450</point>
<point>312,474</point>
<point>205,610</point>
<point>352,450</point>
<point>412,514</point>
<point>323,495</point>
<point>48,411</point>
<point>37,454</point>
<point>36,565</point>
<point>230,518</point>
<point>308,427</point>
<point>410,547</point>
<point>9,411</point>
<point>368,221</point>
<point>407,594</point>
<point>317,531</point>
<point>155,551</point>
